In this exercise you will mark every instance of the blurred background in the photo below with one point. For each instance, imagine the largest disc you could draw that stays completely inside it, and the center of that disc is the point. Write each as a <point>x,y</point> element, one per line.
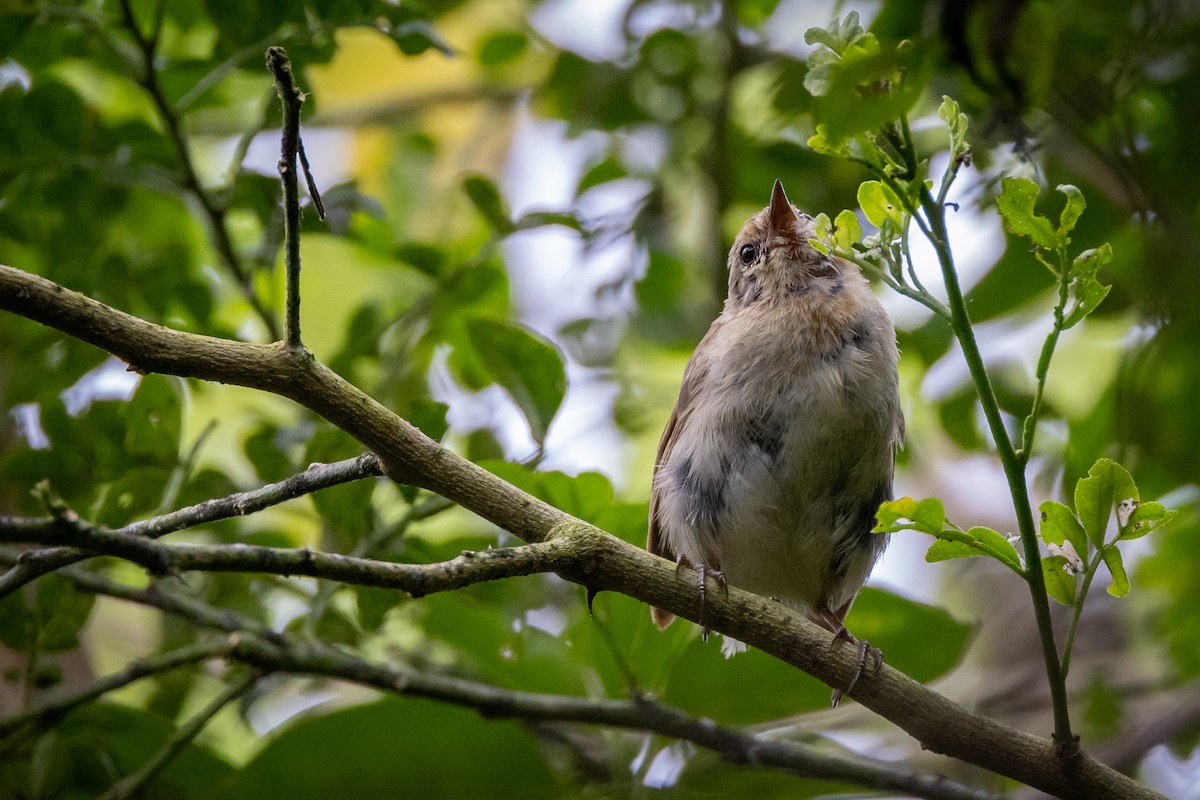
<point>529,207</point>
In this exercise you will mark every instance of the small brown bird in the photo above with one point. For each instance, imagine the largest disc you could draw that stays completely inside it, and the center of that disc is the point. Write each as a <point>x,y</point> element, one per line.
<point>782,443</point>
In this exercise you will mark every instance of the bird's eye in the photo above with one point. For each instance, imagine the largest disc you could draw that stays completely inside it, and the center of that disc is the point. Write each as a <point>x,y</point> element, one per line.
<point>748,254</point>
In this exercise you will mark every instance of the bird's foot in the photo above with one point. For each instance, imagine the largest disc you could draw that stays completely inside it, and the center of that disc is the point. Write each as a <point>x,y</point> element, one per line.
<point>866,655</point>
<point>703,572</point>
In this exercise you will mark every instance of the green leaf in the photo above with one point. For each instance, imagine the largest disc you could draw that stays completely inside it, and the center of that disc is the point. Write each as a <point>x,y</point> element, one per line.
<point>947,549</point>
<point>1107,483</point>
<point>585,495</point>
<point>525,365</point>
<point>1116,566</point>
<point>1086,290</point>
<point>379,749</point>
<point>821,66</point>
<point>956,123</point>
<point>840,34</point>
<point>847,231</point>
<point>16,623</point>
<point>541,219</point>
<point>1060,584</point>
<point>484,193</point>
<point>822,142</point>
<point>927,516</point>
<point>977,541</point>
<point>1060,524</point>
<point>610,169</point>
<point>416,36</point>
<point>154,420</point>
<point>1087,297</point>
<point>1071,211</point>
<point>887,621</point>
<point>62,611</point>
<point>501,47</point>
<point>1145,518</point>
<point>664,282</point>
<point>997,546</point>
<point>880,203</point>
<point>1015,203</point>
<point>1088,263</point>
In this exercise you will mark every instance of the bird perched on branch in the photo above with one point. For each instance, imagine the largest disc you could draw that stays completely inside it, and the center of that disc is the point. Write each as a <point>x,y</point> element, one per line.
<point>782,443</point>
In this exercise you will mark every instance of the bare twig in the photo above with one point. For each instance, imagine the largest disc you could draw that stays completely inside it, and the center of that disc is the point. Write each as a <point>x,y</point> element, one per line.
<point>293,98</point>
<point>415,579</point>
<point>63,702</point>
<point>131,785</point>
<point>36,563</point>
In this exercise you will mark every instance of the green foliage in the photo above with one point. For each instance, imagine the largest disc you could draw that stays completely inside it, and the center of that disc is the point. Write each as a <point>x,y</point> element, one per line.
<point>392,743</point>
<point>85,751</point>
<point>1066,534</point>
<point>96,193</point>
<point>525,365</point>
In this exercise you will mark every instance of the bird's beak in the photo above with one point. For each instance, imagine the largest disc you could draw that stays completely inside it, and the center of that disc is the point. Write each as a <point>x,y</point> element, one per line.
<point>781,218</point>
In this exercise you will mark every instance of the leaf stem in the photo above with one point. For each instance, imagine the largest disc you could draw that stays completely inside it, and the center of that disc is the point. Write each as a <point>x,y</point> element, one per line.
<point>1077,611</point>
<point>1043,366</point>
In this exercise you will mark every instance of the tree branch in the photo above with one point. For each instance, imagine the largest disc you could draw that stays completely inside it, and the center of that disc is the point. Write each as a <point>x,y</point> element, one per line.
<point>415,579</point>
<point>278,653</point>
<point>640,714</point>
<point>35,563</point>
<point>135,671</point>
<point>601,561</point>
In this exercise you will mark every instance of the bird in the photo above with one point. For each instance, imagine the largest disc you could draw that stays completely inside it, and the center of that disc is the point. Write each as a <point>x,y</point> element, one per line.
<point>782,444</point>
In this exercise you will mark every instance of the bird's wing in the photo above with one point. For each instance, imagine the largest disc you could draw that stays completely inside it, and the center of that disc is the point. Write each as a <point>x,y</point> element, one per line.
<point>693,375</point>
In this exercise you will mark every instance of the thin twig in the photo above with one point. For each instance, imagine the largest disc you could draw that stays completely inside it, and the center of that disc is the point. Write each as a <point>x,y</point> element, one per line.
<point>1014,470</point>
<point>641,714</point>
<point>214,213</point>
<point>61,703</point>
<point>292,97</point>
<point>1043,365</point>
<point>417,580</point>
<point>131,785</point>
<point>35,563</point>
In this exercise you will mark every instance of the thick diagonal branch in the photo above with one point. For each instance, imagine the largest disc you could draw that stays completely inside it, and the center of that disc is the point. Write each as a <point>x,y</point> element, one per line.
<point>601,562</point>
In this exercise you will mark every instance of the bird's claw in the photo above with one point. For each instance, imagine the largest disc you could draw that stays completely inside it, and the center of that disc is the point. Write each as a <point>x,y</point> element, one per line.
<point>702,574</point>
<point>866,654</point>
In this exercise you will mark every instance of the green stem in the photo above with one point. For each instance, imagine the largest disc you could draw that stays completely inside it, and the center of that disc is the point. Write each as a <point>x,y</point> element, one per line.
<point>1043,367</point>
<point>922,297</point>
<point>132,785</point>
<point>1077,611</point>
<point>1014,470</point>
